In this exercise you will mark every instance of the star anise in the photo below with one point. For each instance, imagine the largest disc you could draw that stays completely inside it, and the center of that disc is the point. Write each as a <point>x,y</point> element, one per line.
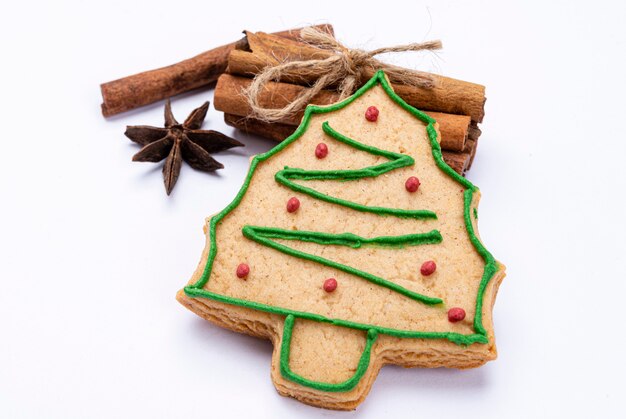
<point>177,142</point>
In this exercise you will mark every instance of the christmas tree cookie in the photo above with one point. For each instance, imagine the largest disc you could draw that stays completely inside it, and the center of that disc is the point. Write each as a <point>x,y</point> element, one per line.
<point>352,245</point>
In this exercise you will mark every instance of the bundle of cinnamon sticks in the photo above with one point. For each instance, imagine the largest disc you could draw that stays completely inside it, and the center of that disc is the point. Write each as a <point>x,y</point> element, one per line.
<point>456,105</point>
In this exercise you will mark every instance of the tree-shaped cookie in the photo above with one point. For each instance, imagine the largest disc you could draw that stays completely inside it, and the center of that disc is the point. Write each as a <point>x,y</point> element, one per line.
<point>352,245</point>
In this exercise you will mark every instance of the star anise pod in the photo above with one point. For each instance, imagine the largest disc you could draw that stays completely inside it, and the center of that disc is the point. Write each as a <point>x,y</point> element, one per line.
<point>177,142</point>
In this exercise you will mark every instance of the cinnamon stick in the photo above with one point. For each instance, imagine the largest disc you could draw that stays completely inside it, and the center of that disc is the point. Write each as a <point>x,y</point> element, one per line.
<point>453,130</point>
<point>273,131</point>
<point>474,132</point>
<point>228,99</point>
<point>471,143</point>
<point>470,147</point>
<point>150,86</point>
<point>276,131</point>
<point>449,95</point>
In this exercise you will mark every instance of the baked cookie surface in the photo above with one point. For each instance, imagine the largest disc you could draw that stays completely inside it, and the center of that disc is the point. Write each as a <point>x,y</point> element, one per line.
<point>352,245</point>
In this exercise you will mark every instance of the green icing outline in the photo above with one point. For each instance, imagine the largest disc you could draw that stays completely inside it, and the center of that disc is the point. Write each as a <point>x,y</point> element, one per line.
<point>491,267</point>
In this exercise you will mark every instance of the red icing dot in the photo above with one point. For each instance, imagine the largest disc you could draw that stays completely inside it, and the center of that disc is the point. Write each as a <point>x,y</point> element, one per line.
<point>293,204</point>
<point>456,314</point>
<point>321,151</point>
<point>428,267</point>
<point>412,184</point>
<point>371,114</point>
<point>330,285</point>
<point>243,270</point>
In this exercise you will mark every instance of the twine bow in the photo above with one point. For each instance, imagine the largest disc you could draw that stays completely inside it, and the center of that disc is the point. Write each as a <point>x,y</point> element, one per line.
<point>344,68</point>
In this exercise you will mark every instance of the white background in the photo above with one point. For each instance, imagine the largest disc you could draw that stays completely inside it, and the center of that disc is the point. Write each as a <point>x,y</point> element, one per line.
<point>92,251</point>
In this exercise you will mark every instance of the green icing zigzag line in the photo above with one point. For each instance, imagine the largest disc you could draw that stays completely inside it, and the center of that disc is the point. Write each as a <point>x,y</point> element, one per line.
<point>397,161</point>
<point>264,235</point>
<point>346,239</point>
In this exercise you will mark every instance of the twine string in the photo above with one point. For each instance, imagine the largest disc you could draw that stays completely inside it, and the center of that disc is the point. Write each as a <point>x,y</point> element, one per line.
<point>345,68</point>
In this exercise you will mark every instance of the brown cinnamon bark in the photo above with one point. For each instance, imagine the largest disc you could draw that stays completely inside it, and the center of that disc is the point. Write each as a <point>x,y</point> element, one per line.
<point>274,131</point>
<point>470,147</point>
<point>459,161</point>
<point>228,99</point>
<point>471,143</point>
<point>474,132</point>
<point>144,88</point>
<point>449,96</point>
<point>453,130</point>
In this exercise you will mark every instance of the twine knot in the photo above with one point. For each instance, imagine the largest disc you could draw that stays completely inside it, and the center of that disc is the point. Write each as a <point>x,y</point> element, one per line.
<point>345,68</point>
